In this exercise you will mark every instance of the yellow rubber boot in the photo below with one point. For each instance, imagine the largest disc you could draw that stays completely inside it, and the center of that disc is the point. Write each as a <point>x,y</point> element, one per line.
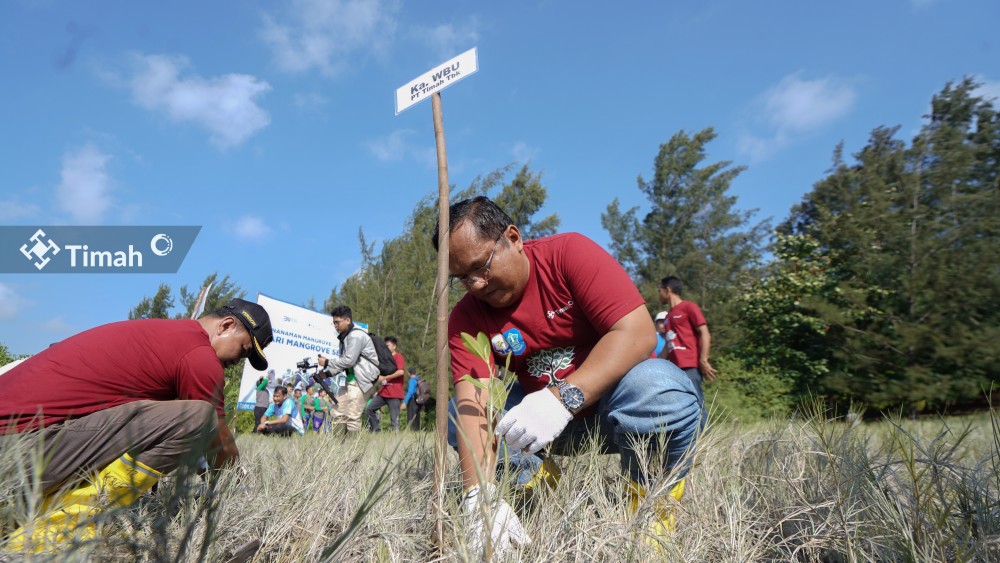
<point>665,523</point>
<point>548,474</point>
<point>66,515</point>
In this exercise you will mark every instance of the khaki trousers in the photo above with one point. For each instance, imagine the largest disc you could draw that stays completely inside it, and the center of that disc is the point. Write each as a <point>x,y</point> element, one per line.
<point>350,404</point>
<point>159,434</point>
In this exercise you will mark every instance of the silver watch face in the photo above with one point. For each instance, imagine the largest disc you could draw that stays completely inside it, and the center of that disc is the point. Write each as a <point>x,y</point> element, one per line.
<point>572,396</point>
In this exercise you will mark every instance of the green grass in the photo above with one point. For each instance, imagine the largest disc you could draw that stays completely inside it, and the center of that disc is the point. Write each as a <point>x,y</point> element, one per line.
<point>805,489</point>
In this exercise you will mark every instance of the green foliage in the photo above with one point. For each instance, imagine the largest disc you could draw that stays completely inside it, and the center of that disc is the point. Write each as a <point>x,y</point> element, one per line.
<point>7,357</point>
<point>157,307</point>
<point>162,303</point>
<point>691,229</point>
<point>785,332</point>
<point>911,239</point>
<point>747,394</point>
<point>223,291</point>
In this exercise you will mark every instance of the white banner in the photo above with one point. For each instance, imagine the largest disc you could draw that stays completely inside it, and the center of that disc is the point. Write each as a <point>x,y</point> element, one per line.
<point>299,333</point>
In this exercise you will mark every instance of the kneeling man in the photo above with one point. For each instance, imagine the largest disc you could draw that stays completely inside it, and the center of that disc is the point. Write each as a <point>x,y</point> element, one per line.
<point>565,317</point>
<point>122,405</point>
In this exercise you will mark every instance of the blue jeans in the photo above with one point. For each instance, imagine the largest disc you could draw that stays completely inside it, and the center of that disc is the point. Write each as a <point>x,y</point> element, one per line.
<point>653,397</point>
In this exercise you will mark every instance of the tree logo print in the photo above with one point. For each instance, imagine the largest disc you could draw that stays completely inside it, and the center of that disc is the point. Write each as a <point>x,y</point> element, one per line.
<point>548,362</point>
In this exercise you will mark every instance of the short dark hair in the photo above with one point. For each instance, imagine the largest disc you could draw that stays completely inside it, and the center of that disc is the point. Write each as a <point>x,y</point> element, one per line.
<point>281,389</point>
<point>673,283</point>
<point>222,313</point>
<point>342,311</point>
<point>413,371</point>
<point>392,339</point>
<point>489,220</point>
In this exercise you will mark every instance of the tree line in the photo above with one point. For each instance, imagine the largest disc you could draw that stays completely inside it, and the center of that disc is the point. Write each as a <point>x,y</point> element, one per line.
<point>881,288</point>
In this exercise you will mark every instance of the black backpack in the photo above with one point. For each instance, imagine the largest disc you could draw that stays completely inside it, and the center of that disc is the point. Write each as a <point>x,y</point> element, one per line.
<point>386,363</point>
<point>423,392</point>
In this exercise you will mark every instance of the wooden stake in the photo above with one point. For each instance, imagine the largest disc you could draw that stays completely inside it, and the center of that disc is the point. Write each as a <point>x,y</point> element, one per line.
<point>441,287</point>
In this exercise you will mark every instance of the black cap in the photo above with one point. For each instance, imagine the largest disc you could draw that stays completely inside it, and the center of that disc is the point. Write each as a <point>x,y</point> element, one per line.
<point>258,324</point>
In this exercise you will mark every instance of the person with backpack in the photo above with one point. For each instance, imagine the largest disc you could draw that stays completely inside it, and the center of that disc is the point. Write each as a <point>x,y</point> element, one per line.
<point>356,370</point>
<point>391,393</point>
<point>418,396</point>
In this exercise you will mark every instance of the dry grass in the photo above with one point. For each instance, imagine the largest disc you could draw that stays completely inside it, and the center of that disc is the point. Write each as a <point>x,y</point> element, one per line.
<point>807,489</point>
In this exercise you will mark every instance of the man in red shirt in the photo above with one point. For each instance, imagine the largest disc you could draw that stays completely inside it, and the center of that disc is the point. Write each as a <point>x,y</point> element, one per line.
<point>128,401</point>
<point>688,339</point>
<point>564,316</point>
<point>391,392</point>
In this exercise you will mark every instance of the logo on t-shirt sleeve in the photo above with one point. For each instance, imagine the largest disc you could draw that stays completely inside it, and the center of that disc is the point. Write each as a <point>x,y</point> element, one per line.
<point>515,341</point>
<point>500,345</point>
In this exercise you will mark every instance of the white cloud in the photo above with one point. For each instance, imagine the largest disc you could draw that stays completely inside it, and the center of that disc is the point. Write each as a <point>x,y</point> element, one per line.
<point>10,302</point>
<point>251,227</point>
<point>524,153</point>
<point>85,187</point>
<point>449,40</point>
<point>989,89</point>
<point>224,105</point>
<point>794,108</point>
<point>391,147</point>
<point>12,209</point>
<point>326,34</point>
<point>802,105</point>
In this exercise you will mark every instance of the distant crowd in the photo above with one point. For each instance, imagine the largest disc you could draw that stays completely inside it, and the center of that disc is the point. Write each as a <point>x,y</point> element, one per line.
<point>296,403</point>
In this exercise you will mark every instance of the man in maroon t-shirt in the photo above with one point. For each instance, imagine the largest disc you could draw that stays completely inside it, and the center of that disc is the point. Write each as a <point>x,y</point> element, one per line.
<point>127,401</point>
<point>391,392</point>
<point>563,316</point>
<point>688,339</point>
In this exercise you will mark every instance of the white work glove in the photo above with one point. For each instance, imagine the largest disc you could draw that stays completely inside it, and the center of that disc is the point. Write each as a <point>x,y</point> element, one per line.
<point>484,508</point>
<point>534,423</point>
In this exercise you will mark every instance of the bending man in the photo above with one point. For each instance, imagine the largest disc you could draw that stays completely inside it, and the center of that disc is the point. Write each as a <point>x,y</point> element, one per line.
<point>126,403</point>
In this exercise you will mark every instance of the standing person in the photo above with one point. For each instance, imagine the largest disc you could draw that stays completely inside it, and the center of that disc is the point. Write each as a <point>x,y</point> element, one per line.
<point>356,367</point>
<point>688,339</point>
<point>576,332</point>
<point>417,400</point>
<point>284,408</point>
<point>322,413</point>
<point>126,402</point>
<point>409,405</point>
<point>307,404</point>
<point>263,398</point>
<point>391,392</point>
<point>660,322</point>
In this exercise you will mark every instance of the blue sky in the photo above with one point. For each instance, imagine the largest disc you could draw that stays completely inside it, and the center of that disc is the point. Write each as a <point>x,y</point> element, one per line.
<point>271,124</point>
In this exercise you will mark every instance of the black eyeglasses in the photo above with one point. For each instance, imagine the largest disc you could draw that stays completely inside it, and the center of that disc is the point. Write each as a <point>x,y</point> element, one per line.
<point>480,276</point>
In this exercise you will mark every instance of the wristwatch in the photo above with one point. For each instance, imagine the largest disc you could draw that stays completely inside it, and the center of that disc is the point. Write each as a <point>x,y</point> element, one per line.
<point>572,396</point>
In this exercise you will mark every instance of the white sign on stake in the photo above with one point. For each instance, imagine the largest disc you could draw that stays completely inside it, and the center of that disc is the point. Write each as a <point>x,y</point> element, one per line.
<point>436,79</point>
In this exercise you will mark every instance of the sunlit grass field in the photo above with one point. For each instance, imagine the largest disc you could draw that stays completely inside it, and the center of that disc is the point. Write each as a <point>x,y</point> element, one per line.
<point>808,488</point>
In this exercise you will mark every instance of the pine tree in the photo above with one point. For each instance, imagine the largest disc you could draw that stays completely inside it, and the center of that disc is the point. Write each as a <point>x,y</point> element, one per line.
<point>692,229</point>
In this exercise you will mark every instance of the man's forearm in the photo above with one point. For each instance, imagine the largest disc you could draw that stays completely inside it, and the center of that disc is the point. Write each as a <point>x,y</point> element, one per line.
<point>628,342</point>
<point>223,449</point>
<point>704,343</point>
<point>475,438</point>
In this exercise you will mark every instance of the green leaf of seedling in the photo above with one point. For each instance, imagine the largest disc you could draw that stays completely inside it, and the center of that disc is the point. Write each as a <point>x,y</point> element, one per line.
<point>479,346</point>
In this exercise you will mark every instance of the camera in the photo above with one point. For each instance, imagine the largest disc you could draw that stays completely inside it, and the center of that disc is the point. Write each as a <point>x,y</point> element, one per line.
<point>306,364</point>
